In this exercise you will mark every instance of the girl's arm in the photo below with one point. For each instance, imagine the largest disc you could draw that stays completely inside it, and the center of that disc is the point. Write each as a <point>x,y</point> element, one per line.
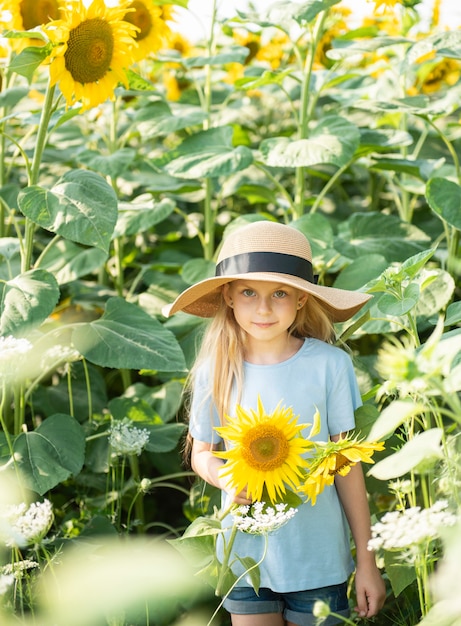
<point>370,587</point>
<point>207,466</point>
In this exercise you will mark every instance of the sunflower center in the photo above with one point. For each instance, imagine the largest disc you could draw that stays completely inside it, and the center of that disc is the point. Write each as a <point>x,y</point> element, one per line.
<point>37,12</point>
<point>141,18</point>
<point>89,50</point>
<point>265,447</point>
<point>341,463</point>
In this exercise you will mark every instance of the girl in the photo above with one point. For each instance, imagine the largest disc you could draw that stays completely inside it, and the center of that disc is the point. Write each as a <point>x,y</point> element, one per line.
<point>270,337</point>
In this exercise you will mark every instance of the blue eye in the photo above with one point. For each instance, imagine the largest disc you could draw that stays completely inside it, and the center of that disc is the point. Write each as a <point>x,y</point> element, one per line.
<point>248,293</point>
<point>280,294</point>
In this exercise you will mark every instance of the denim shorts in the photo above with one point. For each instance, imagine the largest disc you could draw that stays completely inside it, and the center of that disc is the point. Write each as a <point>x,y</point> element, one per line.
<point>295,606</point>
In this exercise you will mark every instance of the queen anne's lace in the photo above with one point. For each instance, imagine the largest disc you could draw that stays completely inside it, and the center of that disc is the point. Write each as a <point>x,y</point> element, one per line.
<point>125,439</point>
<point>259,518</point>
<point>401,530</point>
<point>23,525</point>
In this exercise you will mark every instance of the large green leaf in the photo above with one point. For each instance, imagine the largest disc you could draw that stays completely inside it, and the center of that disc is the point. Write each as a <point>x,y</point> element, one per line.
<point>334,141</point>
<point>137,217</point>
<point>26,301</point>
<point>68,261</point>
<point>444,198</point>
<point>112,165</point>
<point>208,154</point>
<point>157,118</point>
<point>81,207</point>
<point>127,337</point>
<point>51,453</point>
<point>421,451</point>
<point>378,233</point>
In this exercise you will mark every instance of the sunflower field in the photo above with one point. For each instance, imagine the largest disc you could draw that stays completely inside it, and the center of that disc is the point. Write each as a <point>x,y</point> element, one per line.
<point>127,153</point>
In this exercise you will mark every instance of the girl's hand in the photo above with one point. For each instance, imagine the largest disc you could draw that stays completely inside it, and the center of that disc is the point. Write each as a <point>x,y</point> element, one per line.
<point>370,589</point>
<point>237,498</point>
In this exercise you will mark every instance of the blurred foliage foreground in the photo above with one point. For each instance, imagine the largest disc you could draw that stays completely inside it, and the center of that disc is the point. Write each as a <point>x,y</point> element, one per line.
<point>126,154</point>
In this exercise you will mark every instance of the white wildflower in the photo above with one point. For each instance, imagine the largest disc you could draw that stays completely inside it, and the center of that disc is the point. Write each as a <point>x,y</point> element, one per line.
<point>409,528</point>
<point>321,611</point>
<point>57,355</point>
<point>125,439</point>
<point>12,353</point>
<point>26,525</point>
<point>260,518</point>
<point>17,568</point>
<point>6,580</point>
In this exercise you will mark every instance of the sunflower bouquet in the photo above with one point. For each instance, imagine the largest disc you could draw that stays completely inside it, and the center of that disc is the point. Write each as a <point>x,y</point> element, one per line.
<point>266,456</point>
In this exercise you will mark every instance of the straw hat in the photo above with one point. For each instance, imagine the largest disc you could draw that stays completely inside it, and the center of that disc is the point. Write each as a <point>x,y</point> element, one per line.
<point>271,252</point>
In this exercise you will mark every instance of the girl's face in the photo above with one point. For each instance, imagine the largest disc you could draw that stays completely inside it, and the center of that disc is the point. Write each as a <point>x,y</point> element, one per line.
<point>264,310</point>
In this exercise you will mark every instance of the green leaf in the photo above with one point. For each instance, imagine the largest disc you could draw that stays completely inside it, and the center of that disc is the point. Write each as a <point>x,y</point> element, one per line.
<point>393,416</point>
<point>209,154</point>
<point>389,304</point>
<point>380,139</point>
<point>127,337</point>
<point>164,437</point>
<point>234,54</point>
<point>113,165</point>
<point>378,233</point>
<point>138,217</point>
<point>50,454</point>
<point>12,95</point>
<point>252,571</point>
<point>9,247</point>
<point>444,198</point>
<point>27,61</point>
<point>400,575</point>
<point>424,448</point>
<point>81,207</point>
<point>26,301</point>
<point>421,169</point>
<point>197,269</point>
<point>68,261</point>
<point>157,118</point>
<point>334,141</point>
<point>453,316</point>
<point>361,271</point>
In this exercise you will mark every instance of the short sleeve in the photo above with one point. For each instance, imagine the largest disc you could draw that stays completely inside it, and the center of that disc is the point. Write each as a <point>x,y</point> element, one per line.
<point>203,414</point>
<point>343,396</point>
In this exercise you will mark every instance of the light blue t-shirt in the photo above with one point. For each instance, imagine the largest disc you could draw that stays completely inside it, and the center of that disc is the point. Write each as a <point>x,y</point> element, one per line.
<point>313,549</point>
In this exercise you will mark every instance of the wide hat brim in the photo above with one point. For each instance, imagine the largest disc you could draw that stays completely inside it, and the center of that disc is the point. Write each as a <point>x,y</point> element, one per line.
<point>205,297</point>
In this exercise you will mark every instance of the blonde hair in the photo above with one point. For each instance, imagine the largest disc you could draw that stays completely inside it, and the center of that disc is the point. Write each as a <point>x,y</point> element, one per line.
<point>224,343</point>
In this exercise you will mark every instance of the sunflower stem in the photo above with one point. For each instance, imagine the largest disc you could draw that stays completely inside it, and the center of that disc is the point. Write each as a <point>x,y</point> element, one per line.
<point>26,260</point>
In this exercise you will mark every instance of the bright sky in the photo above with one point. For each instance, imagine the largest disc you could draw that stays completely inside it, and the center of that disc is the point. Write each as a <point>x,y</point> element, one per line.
<point>194,22</point>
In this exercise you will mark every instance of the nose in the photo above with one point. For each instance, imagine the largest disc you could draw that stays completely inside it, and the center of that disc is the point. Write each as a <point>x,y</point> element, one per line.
<point>264,305</point>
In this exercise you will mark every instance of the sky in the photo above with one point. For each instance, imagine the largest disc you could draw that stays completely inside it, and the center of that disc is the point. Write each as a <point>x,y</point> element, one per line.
<point>194,22</point>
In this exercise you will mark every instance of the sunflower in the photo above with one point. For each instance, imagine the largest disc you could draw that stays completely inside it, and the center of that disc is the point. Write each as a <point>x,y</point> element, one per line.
<point>152,28</point>
<point>92,48</point>
<point>332,458</point>
<point>265,453</point>
<point>28,14</point>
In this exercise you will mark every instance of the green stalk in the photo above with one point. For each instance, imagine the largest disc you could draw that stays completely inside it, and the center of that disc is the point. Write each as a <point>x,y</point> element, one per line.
<point>209,213</point>
<point>26,260</point>
<point>138,502</point>
<point>305,114</point>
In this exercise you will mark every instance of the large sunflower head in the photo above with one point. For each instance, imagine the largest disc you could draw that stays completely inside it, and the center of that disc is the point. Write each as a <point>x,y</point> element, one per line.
<point>92,48</point>
<point>265,452</point>
<point>152,31</point>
